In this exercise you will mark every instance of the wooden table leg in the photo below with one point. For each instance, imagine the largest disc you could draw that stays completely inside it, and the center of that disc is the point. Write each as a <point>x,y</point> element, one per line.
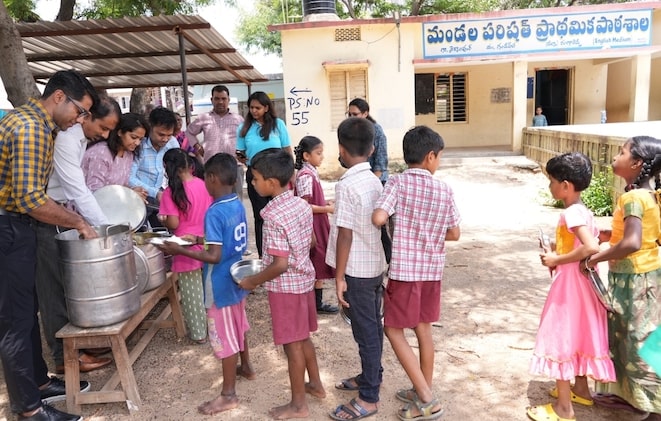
<point>125,372</point>
<point>71,375</point>
<point>173,297</point>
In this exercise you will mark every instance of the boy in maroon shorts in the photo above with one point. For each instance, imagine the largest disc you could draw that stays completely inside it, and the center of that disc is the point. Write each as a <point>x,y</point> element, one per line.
<point>289,276</point>
<point>425,216</point>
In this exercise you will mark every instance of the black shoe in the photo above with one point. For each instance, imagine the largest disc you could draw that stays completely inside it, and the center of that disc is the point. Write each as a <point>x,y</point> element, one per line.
<point>48,413</point>
<point>327,309</point>
<point>55,391</point>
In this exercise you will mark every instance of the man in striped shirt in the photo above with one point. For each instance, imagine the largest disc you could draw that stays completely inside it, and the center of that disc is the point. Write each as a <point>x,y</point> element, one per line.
<point>219,127</point>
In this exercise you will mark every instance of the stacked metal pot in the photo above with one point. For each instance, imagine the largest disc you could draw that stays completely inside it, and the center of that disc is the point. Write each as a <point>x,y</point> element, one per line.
<point>104,277</point>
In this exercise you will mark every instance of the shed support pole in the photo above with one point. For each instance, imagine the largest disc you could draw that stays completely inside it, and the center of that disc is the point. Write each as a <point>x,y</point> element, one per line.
<point>184,76</point>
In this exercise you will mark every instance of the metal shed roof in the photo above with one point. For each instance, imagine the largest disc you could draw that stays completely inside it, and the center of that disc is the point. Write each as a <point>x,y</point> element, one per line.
<point>135,52</point>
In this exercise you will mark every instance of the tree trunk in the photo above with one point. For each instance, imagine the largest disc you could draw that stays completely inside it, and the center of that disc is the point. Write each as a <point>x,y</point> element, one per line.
<point>66,10</point>
<point>15,73</point>
<point>415,7</point>
<point>139,99</point>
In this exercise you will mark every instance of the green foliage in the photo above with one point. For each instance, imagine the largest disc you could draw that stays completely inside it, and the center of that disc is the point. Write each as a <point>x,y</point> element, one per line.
<point>252,32</point>
<point>536,4</point>
<point>548,200</point>
<point>22,10</point>
<point>100,9</point>
<point>598,197</point>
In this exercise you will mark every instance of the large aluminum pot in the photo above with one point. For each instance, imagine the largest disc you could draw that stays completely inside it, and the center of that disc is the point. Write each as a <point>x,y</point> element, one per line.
<point>155,258</point>
<point>99,276</point>
<point>141,268</point>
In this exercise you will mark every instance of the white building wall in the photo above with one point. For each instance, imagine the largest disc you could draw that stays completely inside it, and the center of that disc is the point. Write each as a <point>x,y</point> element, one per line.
<point>389,83</point>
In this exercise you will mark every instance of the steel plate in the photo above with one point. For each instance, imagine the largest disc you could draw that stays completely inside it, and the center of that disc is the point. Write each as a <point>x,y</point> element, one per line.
<point>121,205</point>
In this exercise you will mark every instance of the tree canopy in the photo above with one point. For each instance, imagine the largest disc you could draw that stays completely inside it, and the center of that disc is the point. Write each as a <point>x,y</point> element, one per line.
<point>100,9</point>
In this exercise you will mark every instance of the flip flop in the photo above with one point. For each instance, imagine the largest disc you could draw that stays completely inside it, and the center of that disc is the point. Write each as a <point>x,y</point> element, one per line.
<point>609,400</point>
<point>354,410</point>
<point>347,384</point>
<point>574,397</point>
<point>544,413</point>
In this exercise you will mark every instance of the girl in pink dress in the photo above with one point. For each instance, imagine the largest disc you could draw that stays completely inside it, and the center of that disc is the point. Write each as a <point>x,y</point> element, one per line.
<point>572,340</point>
<point>182,209</point>
<point>309,154</point>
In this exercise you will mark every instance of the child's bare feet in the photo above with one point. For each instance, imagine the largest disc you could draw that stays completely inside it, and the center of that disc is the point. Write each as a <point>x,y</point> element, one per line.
<point>246,371</point>
<point>220,404</point>
<point>315,390</point>
<point>288,411</point>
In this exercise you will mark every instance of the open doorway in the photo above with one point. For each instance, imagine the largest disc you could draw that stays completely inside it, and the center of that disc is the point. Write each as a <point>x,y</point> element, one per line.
<point>553,94</point>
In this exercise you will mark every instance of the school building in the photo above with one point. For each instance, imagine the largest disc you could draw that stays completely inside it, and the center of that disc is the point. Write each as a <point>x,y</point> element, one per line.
<point>474,78</point>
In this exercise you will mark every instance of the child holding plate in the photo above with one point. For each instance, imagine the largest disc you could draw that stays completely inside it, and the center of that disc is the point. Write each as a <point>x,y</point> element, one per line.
<point>225,238</point>
<point>182,208</point>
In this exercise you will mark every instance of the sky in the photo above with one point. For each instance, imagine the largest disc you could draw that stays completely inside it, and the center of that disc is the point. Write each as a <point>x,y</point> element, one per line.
<point>221,17</point>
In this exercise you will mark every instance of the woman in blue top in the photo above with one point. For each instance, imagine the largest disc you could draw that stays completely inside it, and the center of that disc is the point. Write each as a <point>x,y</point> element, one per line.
<point>262,129</point>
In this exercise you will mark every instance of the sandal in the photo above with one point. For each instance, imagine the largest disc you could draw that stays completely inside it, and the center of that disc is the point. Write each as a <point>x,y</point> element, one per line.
<point>354,410</point>
<point>544,413</point>
<point>574,397</point>
<point>407,395</point>
<point>425,411</point>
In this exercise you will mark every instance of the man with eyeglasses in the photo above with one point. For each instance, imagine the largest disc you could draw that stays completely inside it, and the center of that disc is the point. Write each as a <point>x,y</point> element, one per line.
<point>27,137</point>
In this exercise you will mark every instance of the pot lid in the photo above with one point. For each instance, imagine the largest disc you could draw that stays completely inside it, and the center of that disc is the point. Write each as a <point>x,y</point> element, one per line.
<point>121,205</point>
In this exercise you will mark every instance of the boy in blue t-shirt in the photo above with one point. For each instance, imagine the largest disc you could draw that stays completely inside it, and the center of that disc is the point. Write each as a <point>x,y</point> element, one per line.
<point>226,236</point>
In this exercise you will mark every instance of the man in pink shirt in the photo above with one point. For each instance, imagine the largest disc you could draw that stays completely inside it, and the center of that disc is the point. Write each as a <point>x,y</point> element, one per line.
<point>219,127</point>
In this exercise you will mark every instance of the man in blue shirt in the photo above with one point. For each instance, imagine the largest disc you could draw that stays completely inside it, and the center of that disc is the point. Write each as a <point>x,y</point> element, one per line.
<point>148,171</point>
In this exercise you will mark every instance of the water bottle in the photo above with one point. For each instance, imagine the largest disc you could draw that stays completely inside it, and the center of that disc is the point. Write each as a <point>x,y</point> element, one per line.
<point>603,116</point>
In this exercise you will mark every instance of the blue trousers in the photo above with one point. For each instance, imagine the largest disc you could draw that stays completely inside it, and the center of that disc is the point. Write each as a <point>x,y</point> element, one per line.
<point>258,203</point>
<point>20,339</point>
<point>364,295</point>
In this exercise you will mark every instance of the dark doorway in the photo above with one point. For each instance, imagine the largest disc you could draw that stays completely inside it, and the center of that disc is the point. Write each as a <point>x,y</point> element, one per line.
<point>552,94</point>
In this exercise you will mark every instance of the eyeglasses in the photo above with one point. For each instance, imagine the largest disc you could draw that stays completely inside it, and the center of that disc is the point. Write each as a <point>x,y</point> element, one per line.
<point>82,112</point>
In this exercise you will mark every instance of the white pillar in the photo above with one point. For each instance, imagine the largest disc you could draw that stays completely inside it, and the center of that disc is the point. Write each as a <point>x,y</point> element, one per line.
<point>519,102</point>
<point>640,87</point>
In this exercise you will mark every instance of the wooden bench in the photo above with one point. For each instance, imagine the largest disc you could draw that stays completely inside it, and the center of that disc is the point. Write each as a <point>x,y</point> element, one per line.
<point>114,336</point>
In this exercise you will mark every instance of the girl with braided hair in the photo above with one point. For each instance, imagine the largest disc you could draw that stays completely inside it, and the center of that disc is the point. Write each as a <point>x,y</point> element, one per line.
<point>183,206</point>
<point>634,278</point>
<point>309,154</point>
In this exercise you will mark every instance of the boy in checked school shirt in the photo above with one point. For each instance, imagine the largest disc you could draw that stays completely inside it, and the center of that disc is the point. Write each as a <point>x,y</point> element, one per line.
<point>289,276</point>
<point>425,217</point>
<point>356,252</point>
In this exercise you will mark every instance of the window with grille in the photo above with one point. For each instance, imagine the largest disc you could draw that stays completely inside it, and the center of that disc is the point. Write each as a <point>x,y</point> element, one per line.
<point>451,98</point>
<point>345,85</point>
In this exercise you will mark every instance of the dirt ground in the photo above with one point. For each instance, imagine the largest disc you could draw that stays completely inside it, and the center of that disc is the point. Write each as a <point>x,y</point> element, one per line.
<point>493,293</point>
